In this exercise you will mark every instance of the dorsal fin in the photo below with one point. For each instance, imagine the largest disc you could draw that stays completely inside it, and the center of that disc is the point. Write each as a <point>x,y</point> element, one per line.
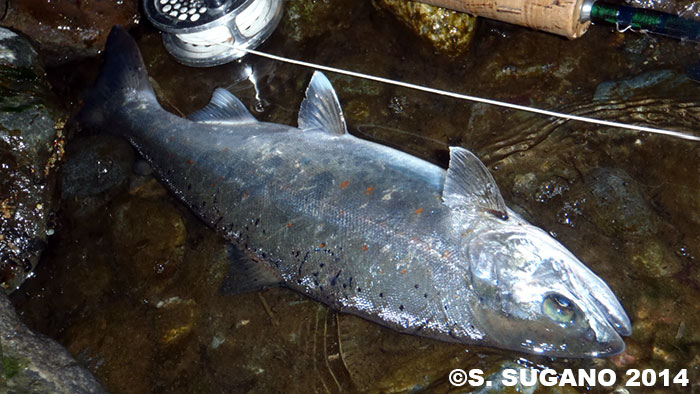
<point>469,183</point>
<point>321,110</point>
<point>224,108</point>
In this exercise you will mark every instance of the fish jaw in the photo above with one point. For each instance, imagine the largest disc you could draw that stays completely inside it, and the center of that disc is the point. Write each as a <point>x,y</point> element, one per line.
<point>534,295</point>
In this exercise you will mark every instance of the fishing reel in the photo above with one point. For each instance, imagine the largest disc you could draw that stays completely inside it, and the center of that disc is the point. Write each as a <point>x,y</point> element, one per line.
<point>203,33</point>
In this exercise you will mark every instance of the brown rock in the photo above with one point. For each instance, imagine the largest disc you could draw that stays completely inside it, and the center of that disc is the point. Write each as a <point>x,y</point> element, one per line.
<point>68,29</point>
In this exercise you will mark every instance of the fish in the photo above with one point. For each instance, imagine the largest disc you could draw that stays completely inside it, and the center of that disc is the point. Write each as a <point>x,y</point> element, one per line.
<point>364,228</point>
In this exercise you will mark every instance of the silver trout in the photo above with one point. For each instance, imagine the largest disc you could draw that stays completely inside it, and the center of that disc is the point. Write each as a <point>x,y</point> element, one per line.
<point>364,228</point>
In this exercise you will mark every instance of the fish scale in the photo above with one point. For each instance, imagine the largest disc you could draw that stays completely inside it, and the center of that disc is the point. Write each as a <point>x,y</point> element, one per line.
<point>362,227</point>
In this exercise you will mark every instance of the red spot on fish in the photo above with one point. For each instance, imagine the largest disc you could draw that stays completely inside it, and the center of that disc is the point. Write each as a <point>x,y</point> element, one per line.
<point>246,195</point>
<point>172,138</point>
<point>289,225</point>
<point>369,190</point>
<point>403,271</point>
<point>323,245</point>
<point>213,184</point>
<point>364,247</point>
<point>190,161</point>
<point>446,254</point>
<point>344,185</point>
<point>419,210</point>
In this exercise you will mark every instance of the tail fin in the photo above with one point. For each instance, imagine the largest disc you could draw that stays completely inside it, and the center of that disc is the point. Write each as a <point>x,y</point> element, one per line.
<point>123,73</point>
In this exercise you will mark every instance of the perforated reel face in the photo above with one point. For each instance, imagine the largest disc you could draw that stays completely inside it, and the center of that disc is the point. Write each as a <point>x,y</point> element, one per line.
<point>182,10</point>
<point>203,33</point>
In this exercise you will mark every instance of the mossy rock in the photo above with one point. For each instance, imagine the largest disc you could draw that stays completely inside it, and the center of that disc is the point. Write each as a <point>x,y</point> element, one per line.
<point>450,32</point>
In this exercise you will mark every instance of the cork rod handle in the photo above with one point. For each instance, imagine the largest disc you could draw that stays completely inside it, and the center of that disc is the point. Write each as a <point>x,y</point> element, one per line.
<point>560,17</point>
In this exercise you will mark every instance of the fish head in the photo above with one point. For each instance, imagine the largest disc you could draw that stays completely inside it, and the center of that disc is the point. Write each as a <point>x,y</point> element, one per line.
<point>534,295</point>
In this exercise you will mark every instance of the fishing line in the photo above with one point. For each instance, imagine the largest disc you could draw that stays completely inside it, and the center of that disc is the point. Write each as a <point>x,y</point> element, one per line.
<point>467,97</point>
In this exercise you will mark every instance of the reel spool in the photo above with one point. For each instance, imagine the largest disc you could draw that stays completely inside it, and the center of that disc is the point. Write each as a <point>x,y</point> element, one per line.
<point>201,33</point>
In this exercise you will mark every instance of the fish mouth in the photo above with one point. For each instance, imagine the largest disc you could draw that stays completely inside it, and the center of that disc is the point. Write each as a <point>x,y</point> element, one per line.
<point>616,317</point>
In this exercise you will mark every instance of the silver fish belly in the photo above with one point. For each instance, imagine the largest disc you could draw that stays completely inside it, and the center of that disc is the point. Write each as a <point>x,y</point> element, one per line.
<point>362,227</point>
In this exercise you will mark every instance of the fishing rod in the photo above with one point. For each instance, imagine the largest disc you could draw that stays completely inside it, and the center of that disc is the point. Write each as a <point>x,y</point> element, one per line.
<point>572,18</point>
<point>203,33</point>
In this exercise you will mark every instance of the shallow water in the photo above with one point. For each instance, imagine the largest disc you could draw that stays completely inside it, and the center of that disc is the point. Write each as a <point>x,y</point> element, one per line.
<point>131,281</point>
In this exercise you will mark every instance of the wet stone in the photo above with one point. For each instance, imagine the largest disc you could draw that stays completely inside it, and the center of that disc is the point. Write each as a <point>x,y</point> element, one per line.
<point>31,145</point>
<point>33,363</point>
<point>65,30</point>
<point>448,31</point>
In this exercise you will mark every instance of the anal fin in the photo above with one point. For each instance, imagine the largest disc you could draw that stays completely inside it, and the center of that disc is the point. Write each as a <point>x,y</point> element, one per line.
<point>247,274</point>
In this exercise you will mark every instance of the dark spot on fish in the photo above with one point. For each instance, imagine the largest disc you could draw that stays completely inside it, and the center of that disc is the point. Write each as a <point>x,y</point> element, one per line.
<point>298,281</point>
<point>263,255</point>
<point>314,273</point>
<point>401,307</point>
<point>257,221</point>
<point>345,286</point>
<point>320,288</point>
<point>189,186</point>
<point>499,214</point>
<point>359,290</point>
<point>416,286</point>
<point>425,295</point>
<point>335,278</point>
<point>381,295</point>
<point>321,265</point>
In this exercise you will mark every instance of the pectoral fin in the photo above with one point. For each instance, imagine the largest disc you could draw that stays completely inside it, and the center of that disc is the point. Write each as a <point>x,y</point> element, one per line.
<point>469,183</point>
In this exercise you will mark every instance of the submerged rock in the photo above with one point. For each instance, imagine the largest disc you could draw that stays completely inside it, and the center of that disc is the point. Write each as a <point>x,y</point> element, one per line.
<point>306,19</point>
<point>31,144</point>
<point>685,8</point>
<point>448,31</point>
<point>33,363</point>
<point>618,203</point>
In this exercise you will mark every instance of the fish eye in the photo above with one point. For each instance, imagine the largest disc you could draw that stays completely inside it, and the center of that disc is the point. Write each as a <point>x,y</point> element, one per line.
<point>559,308</point>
